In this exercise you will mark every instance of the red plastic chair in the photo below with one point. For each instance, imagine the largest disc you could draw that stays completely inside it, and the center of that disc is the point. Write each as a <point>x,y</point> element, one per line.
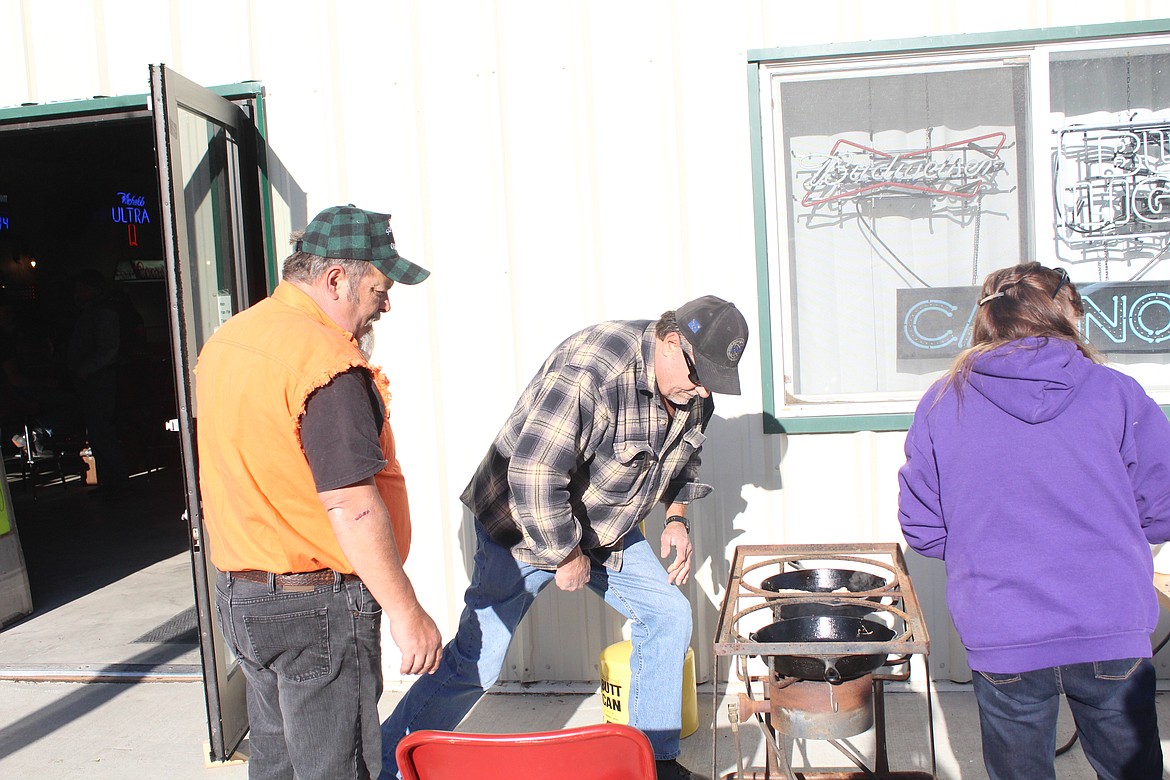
<point>605,751</point>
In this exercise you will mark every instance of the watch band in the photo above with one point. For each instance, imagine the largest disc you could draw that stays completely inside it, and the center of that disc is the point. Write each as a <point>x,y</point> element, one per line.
<point>678,519</point>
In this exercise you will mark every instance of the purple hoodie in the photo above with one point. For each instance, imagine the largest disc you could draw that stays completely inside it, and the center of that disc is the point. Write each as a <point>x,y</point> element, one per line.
<point>1042,487</point>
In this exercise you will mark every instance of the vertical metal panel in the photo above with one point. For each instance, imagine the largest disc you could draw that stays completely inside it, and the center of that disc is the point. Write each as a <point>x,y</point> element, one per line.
<point>554,164</point>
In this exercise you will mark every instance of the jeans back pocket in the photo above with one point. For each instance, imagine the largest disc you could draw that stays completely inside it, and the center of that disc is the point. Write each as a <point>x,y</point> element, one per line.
<point>295,645</point>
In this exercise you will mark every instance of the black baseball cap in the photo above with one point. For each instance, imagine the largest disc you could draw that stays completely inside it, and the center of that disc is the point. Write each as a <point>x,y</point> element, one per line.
<point>350,233</point>
<point>718,333</point>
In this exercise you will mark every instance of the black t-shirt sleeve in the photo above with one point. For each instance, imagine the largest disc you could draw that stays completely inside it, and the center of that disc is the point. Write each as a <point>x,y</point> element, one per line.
<point>340,430</point>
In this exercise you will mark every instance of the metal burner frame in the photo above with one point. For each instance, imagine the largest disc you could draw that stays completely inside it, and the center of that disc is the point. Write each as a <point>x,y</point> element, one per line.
<point>897,599</point>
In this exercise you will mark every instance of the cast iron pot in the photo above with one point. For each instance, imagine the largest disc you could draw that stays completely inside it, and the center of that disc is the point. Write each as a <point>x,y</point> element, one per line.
<point>824,628</point>
<point>822,581</point>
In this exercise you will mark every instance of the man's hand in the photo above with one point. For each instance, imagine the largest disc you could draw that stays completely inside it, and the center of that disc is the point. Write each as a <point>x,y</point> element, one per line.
<point>417,636</point>
<point>675,535</point>
<point>573,572</point>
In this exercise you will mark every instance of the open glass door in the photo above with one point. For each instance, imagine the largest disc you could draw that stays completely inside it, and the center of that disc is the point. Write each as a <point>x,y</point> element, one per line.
<point>213,246</point>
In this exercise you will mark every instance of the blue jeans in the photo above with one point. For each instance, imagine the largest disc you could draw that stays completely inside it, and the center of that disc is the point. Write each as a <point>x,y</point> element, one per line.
<point>1112,703</point>
<point>501,591</point>
<point>313,662</point>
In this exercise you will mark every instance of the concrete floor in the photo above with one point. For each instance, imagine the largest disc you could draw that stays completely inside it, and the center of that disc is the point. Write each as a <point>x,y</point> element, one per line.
<point>90,560</point>
<point>112,731</point>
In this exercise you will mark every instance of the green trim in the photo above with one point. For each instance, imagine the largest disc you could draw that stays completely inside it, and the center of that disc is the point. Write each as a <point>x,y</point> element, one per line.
<point>851,423</point>
<point>109,105</point>
<point>100,105</point>
<point>964,41</point>
<point>841,424</point>
<point>240,90</point>
<point>759,215</point>
<point>266,217</point>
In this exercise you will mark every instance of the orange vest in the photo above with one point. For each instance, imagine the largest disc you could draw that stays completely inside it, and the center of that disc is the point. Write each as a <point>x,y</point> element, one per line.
<point>253,377</point>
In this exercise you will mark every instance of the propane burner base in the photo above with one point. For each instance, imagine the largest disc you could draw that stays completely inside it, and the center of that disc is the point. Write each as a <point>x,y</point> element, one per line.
<point>819,710</point>
<point>810,709</point>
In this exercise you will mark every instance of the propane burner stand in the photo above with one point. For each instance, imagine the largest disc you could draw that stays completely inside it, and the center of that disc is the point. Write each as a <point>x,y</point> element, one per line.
<point>807,703</point>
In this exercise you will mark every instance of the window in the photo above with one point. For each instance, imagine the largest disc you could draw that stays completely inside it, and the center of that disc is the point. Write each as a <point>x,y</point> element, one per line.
<point>893,183</point>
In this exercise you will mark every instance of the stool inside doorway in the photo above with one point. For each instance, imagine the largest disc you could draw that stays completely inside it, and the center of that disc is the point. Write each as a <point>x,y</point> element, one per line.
<point>37,456</point>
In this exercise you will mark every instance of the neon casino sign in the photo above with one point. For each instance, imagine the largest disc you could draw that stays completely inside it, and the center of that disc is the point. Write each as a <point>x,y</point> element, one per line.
<point>1120,317</point>
<point>131,211</point>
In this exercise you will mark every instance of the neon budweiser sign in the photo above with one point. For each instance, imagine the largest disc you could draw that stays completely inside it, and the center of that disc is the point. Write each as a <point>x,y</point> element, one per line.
<point>851,170</point>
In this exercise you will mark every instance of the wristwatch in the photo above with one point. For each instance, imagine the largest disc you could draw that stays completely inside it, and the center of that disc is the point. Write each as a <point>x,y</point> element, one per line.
<point>678,519</point>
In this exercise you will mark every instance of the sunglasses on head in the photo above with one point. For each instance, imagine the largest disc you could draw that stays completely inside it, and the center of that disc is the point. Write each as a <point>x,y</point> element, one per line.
<point>1063,280</point>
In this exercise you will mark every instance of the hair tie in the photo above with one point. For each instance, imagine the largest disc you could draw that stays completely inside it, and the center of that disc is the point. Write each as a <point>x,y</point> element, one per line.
<point>1003,288</point>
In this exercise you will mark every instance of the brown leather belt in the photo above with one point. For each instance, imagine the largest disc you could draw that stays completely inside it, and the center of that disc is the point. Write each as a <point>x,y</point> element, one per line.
<point>306,580</point>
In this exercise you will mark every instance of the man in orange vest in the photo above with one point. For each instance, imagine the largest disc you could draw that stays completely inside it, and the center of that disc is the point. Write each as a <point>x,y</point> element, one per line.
<point>305,504</point>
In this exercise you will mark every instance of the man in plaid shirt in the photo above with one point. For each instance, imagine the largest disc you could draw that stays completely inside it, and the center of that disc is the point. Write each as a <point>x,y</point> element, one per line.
<point>610,426</point>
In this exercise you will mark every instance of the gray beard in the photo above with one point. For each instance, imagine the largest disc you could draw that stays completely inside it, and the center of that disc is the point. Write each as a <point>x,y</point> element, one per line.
<point>366,344</point>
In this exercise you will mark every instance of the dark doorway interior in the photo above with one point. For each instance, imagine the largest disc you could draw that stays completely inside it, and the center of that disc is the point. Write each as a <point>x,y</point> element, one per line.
<point>80,200</point>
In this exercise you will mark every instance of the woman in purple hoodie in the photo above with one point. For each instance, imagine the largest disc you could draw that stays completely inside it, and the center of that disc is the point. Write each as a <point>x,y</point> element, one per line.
<point>1041,478</point>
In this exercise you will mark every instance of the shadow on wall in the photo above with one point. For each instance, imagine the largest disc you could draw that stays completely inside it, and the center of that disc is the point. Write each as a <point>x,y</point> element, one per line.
<point>290,192</point>
<point>948,660</point>
<point>736,455</point>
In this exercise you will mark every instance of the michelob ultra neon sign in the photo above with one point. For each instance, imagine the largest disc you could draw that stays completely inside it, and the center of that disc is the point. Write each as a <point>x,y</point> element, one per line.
<point>1119,317</point>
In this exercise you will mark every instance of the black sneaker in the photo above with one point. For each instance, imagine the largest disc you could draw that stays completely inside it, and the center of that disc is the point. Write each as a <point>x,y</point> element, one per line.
<point>673,770</point>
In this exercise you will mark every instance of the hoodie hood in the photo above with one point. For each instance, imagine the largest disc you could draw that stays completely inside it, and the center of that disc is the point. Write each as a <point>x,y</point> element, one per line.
<point>1032,379</point>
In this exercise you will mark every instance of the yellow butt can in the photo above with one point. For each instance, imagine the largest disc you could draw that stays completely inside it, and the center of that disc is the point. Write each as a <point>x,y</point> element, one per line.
<point>615,687</point>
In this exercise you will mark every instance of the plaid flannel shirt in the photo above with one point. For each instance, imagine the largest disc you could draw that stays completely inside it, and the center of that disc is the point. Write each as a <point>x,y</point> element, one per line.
<point>588,451</point>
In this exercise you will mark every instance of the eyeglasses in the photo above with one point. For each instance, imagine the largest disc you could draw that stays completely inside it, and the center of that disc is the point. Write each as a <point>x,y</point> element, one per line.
<point>1063,280</point>
<point>693,373</point>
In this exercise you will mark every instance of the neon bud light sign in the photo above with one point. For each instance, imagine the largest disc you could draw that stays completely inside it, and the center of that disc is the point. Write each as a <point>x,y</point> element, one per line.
<point>131,211</point>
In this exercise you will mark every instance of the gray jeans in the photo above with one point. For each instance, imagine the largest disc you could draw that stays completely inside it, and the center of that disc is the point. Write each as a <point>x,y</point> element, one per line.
<point>313,662</point>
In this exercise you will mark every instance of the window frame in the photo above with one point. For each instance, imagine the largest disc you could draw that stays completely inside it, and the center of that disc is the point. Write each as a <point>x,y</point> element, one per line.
<point>870,57</point>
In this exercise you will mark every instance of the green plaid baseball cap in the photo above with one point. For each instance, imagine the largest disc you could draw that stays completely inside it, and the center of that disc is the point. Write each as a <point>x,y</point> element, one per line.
<point>350,233</point>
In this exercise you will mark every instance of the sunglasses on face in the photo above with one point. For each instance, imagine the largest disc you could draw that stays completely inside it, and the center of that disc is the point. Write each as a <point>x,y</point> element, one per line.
<point>693,373</point>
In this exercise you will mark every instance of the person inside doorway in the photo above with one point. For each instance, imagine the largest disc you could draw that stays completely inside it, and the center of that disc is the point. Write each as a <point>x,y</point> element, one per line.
<point>92,358</point>
<point>36,400</point>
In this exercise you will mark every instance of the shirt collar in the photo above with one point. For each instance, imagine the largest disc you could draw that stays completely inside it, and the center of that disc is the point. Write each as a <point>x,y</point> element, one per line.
<point>647,382</point>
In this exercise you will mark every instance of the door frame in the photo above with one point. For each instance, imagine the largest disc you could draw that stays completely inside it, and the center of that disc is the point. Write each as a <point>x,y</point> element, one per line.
<point>227,721</point>
<point>229,166</point>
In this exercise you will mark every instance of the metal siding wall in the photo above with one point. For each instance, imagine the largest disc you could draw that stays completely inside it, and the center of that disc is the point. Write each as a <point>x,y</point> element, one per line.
<point>554,164</point>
